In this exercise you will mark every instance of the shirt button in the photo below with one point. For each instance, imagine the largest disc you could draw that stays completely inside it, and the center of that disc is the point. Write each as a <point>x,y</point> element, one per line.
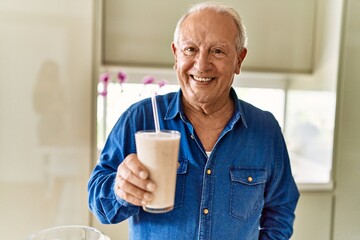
<point>192,136</point>
<point>206,211</point>
<point>208,171</point>
<point>250,179</point>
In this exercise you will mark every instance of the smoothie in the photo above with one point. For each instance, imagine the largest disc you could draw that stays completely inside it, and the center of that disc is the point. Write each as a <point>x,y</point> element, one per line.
<point>158,152</point>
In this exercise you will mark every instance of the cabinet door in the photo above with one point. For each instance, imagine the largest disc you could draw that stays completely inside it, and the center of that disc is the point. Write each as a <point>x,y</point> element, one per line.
<point>313,216</point>
<point>281,33</point>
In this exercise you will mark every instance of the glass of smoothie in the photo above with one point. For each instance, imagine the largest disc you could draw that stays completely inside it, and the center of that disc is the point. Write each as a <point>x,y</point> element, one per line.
<point>158,151</point>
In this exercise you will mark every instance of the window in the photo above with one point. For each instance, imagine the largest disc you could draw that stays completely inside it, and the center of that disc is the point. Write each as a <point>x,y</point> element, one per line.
<point>309,132</point>
<point>118,99</point>
<point>270,99</point>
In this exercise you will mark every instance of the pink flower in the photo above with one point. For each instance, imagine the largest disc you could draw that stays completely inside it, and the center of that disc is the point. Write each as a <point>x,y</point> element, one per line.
<point>148,80</point>
<point>122,77</point>
<point>162,83</point>
<point>104,77</point>
<point>103,93</point>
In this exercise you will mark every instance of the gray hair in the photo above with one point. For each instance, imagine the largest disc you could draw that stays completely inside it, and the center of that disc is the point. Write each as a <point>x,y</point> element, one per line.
<point>241,40</point>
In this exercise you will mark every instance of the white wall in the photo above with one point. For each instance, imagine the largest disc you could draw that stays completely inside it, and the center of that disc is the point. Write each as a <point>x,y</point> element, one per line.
<point>45,113</point>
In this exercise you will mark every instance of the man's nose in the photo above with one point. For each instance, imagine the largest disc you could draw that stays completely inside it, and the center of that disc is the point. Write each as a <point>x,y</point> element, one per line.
<point>203,61</point>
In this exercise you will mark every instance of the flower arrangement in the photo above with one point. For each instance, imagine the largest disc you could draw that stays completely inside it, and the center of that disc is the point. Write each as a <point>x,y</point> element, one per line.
<point>122,77</point>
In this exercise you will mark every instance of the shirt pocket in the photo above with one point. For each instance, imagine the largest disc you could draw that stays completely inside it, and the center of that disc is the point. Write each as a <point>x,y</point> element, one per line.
<point>247,191</point>
<point>180,182</point>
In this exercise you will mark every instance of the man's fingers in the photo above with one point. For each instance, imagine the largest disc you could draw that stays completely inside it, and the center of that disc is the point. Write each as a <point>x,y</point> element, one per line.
<point>133,163</point>
<point>129,198</point>
<point>132,171</point>
<point>131,193</point>
<point>132,183</point>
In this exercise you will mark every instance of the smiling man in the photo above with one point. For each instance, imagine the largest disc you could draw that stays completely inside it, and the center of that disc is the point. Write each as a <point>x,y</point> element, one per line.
<point>207,56</point>
<point>234,178</point>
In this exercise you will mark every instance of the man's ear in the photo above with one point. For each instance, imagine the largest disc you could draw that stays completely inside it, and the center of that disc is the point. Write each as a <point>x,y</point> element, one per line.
<point>240,58</point>
<point>173,48</point>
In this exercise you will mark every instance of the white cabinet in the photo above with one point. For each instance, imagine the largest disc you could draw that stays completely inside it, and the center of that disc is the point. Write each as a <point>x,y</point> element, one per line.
<point>313,216</point>
<point>281,33</point>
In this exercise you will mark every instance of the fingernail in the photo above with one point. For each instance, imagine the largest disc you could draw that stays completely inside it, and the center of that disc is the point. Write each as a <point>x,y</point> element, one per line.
<point>143,202</point>
<point>150,186</point>
<point>143,175</point>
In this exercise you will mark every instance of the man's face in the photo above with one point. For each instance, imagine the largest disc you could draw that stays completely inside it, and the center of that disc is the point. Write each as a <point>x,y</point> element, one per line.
<point>206,56</point>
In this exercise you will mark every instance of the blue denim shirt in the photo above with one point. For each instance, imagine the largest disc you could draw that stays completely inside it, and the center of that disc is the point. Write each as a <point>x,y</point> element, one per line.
<point>249,192</point>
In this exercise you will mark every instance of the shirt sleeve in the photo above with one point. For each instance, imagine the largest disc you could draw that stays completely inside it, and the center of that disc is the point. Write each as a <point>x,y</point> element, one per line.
<point>281,197</point>
<point>103,202</point>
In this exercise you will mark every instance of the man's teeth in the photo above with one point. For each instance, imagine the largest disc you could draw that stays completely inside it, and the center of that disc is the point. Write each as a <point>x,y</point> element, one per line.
<point>202,79</point>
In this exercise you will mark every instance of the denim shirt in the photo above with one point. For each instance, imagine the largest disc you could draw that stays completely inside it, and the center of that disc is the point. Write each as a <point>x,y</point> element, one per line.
<point>243,190</point>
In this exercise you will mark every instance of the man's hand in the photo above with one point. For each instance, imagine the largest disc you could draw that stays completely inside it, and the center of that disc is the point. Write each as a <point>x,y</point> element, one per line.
<point>132,183</point>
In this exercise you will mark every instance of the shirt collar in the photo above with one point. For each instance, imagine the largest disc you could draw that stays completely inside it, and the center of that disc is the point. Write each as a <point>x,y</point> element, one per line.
<point>239,112</point>
<point>175,108</point>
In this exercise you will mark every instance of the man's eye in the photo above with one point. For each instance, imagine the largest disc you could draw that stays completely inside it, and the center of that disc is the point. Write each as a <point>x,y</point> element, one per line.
<point>189,51</point>
<point>218,53</point>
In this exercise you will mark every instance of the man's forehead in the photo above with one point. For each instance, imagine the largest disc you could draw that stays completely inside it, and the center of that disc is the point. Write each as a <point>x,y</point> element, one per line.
<point>184,41</point>
<point>207,19</point>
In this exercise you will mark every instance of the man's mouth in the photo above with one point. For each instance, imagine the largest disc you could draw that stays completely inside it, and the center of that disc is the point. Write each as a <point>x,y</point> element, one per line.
<point>201,79</point>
